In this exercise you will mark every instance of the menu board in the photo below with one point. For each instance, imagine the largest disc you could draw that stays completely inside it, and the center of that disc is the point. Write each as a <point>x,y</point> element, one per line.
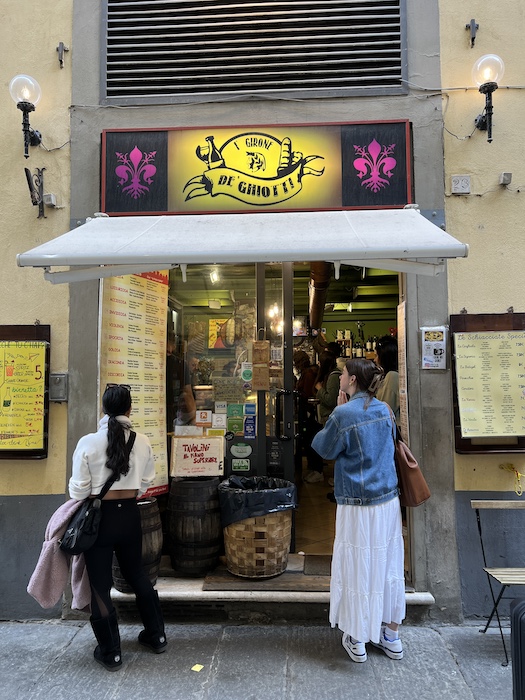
<point>133,351</point>
<point>22,396</point>
<point>490,378</point>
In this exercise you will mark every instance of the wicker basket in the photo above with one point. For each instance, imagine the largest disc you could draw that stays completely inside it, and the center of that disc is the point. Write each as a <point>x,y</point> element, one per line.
<point>259,547</point>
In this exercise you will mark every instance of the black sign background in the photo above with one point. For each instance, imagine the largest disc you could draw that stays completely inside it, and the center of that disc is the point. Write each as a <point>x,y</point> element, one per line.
<point>395,191</point>
<point>152,199</point>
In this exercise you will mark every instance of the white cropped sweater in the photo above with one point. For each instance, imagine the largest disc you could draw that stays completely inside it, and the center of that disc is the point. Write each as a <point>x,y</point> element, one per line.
<point>89,463</point>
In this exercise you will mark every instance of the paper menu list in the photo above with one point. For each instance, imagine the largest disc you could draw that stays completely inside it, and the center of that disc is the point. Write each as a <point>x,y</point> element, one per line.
<point>490,375</point>
<point>133,351</point>
<point>22,389</point>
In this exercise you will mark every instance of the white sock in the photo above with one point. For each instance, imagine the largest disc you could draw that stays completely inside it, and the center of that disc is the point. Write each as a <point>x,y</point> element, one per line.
<point>391,634</point>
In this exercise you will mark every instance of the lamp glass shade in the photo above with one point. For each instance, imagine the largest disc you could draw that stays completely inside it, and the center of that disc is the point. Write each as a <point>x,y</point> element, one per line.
<point>24,88</point>
<point>488,69</point>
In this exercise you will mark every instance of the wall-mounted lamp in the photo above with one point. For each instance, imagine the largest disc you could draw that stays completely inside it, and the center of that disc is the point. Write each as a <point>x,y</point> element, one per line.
<point>487,73</point>
<point>26,92</point>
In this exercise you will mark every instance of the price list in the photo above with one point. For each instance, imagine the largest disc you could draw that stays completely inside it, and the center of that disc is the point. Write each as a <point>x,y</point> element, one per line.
<point>133,351</point>
<point>490,372</point>
<point>22,389</point>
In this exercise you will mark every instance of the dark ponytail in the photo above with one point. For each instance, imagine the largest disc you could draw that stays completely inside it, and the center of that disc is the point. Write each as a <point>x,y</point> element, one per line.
<point>116,402</point>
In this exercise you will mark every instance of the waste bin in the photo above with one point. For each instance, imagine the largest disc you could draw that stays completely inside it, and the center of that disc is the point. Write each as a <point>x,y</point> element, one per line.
<point>256,514</point>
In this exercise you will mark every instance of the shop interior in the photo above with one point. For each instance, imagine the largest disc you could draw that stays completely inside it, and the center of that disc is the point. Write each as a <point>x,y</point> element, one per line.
<point>217,312</point>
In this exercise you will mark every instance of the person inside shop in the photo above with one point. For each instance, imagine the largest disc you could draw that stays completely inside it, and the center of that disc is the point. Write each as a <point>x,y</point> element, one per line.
<point>387,359</point>
<point>306,414</point>
<point>327,386</point>
<point>367,586</point>
<point>326,392</point>
<point>96,457</point>
<point>229,368</point>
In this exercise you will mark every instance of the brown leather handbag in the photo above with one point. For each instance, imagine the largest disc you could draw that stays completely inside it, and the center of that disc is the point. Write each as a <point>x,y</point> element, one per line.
<point>413,488</point>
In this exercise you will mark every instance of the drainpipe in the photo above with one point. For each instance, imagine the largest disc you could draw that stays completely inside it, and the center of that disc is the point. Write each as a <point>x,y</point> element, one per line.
<point>320,275</point>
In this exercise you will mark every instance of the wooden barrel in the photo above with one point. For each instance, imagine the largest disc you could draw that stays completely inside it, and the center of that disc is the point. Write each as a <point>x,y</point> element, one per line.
<point>194,525</point>
<point>151,545</point>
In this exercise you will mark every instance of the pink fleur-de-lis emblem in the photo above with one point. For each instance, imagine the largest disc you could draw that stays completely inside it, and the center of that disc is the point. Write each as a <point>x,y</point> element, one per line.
<point>377,164</point>
<point>135,166</point>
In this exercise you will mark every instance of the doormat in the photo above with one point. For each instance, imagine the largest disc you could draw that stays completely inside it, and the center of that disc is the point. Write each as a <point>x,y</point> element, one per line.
<point>222,580</point>
<point>317,564</point>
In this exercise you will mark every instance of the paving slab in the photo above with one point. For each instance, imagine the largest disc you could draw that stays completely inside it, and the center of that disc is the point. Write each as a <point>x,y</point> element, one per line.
<point>53,660</point>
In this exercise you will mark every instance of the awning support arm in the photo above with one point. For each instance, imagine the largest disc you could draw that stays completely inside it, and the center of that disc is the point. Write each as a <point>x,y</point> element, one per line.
<point>85,274</point>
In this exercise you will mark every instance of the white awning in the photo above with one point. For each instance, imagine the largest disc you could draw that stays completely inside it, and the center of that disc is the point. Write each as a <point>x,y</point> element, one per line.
<point>394,239</point>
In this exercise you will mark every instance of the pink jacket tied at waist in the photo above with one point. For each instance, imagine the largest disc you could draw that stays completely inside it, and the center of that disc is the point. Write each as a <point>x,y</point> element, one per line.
<point>51,575</point>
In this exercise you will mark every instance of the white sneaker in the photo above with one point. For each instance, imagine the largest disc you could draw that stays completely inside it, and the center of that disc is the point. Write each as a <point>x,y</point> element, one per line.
<point>392,648</point>
<point>313,477</point>
<point>355,650</point>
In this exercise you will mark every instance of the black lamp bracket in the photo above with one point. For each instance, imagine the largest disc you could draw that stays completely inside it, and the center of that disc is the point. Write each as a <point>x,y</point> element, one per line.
<point>35,182</point>
<point>483,122</point>
<point>31,136</point>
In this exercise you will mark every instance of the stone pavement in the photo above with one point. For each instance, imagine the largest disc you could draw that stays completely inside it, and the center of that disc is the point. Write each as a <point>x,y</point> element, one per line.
<point>53,660</point>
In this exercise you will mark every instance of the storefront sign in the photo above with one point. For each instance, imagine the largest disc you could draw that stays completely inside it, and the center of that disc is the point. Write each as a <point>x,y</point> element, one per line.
<point>197,456</point>
<point>257,168</point>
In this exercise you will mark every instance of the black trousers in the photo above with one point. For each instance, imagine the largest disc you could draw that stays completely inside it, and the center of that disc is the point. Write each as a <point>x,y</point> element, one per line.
<point>120,532</point>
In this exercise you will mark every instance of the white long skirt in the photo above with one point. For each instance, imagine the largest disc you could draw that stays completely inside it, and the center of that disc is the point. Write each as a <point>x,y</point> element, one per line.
<point>367,586</point>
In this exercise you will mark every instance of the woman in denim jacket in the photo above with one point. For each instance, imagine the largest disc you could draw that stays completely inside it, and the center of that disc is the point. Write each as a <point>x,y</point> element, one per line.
<point>367,588</point>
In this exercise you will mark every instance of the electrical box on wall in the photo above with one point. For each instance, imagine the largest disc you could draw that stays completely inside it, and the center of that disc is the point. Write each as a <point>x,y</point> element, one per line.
<point>58,387</point>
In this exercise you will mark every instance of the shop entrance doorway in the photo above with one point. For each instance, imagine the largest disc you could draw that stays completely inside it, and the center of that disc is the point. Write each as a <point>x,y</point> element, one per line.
<point>215,316</point>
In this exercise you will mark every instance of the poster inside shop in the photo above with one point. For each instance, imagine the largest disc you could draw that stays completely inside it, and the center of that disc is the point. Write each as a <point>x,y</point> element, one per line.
<point>133,351</point>
<point>490,377</point>
<point>22,394</point>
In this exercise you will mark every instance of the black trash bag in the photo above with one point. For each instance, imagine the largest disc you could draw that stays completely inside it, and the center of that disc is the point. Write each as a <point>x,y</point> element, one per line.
<point>244,497</point>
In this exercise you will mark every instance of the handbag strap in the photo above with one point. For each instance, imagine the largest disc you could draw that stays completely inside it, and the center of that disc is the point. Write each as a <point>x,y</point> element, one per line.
<point>114,477</point>
<point>395,430</point>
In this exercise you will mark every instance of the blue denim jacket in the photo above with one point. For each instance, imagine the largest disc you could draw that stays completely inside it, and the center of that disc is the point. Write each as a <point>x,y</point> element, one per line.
<point>362,443</point>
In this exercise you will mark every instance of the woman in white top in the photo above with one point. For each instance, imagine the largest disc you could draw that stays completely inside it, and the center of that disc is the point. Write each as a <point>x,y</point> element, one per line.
<point>96,457</point>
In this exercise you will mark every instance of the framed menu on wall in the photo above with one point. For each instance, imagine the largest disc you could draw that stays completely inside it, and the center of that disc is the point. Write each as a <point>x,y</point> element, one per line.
<point>489,382</point>
<point>24,391</point>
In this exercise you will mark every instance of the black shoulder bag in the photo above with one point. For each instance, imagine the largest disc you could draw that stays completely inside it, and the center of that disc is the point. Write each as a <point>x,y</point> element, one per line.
<point>82,529</point>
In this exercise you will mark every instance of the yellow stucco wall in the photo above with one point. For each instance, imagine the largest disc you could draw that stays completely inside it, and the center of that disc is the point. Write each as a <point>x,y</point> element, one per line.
<point>29,35</point>
<point>491,218</point>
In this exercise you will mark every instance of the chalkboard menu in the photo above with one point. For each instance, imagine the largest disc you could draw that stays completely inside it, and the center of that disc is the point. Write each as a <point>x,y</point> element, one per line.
<point>489,382</point>
<point>24,386</point>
